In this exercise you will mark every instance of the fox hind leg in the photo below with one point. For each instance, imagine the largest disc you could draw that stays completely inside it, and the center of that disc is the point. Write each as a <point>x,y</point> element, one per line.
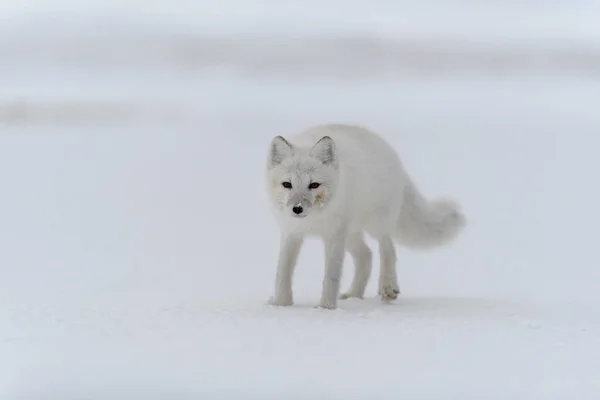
<point>363,259</point>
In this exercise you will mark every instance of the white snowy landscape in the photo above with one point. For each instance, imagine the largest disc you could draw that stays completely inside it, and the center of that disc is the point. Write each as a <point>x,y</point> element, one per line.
<point>137,250</point>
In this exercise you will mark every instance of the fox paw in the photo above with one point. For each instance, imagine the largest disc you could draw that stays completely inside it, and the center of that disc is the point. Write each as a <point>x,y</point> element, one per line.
<point>350,295</point>
<point>327,305</point>
<point>389,293</point>
<point>281,302</point>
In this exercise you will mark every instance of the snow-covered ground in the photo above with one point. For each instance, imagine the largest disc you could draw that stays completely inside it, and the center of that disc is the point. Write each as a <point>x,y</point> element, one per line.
<point>137,250</point>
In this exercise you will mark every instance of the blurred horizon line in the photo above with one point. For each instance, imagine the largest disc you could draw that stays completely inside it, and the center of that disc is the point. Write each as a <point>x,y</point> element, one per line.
<point>325,55</point>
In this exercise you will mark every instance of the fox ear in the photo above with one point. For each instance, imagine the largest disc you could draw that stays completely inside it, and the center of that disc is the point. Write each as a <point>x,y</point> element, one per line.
<point>324,151</point>
<point>280,149</point>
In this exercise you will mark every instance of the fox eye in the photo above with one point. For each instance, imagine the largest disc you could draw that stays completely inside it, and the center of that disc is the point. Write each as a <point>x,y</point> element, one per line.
<point>314,185</point>
<point>286,185</point>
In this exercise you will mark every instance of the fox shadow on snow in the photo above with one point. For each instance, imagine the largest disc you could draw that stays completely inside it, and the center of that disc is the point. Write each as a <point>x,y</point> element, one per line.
<point>440,307</point>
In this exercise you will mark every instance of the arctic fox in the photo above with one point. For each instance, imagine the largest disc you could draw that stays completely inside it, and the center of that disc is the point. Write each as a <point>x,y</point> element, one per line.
<point>339,182</point>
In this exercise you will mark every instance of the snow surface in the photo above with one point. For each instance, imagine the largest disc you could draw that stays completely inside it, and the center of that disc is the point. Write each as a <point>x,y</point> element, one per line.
<point>137,250</point>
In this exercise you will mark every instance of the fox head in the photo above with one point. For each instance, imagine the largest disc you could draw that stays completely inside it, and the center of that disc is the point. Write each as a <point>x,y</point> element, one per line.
<point>302,180</point>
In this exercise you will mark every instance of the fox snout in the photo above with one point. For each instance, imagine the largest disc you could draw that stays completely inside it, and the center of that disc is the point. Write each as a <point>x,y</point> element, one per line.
<point>299,204</point>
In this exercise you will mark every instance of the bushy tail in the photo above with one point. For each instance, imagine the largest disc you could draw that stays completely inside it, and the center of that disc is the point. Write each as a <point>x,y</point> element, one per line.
<point>424,225</point>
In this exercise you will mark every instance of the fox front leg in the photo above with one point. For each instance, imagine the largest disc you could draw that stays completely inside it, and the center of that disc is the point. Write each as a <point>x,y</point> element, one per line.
<point>288,256</point>
<point>334,261</point>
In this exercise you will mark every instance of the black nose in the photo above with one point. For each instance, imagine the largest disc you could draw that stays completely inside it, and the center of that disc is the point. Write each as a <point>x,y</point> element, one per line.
<point>298,209</point>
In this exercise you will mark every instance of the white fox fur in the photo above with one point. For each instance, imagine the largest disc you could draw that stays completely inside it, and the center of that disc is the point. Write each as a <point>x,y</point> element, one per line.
<point>358,186</point>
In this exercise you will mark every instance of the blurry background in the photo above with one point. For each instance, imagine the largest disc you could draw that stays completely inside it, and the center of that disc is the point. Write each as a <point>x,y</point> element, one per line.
<point>136,245</point>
